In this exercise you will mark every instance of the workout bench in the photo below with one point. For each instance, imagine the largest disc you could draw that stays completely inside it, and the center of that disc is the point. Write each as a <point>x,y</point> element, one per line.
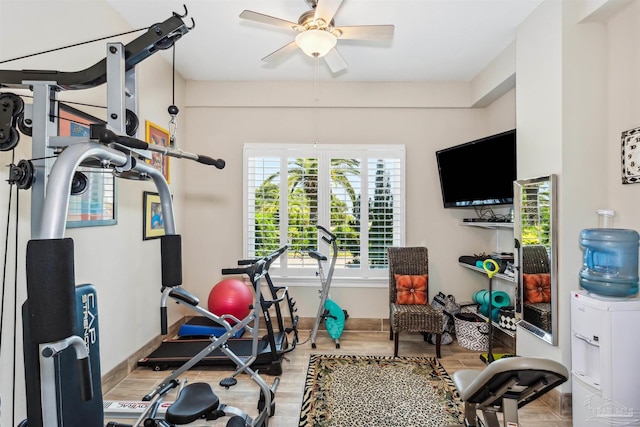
<point>506,385</point>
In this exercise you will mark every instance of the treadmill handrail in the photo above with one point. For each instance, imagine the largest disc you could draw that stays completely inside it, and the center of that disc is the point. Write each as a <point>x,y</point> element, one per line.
<point>271,257</point>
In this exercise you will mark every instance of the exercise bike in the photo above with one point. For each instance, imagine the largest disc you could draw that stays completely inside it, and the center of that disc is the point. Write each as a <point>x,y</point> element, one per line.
<point>333,316</point>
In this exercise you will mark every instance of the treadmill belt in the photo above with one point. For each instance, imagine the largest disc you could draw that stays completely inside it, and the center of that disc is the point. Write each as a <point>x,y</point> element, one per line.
<point>178,352</point>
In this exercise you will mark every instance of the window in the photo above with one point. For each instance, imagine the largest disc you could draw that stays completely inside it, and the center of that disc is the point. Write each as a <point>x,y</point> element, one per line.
<point>357,192</point>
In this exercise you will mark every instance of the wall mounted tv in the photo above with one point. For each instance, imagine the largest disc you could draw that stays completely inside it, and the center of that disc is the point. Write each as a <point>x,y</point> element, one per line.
<point>478,173</point>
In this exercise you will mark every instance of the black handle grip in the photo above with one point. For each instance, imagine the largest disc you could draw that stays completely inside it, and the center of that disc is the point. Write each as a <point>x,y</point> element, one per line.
<point>326,239</point>
<point>86,385</point>
<point>163,321</point>
<point>333,236</point>
<point>226,271</point>
<point>114,424</point>
<point>206,160</point>
<point>272,256</point>
<point>106,137</point>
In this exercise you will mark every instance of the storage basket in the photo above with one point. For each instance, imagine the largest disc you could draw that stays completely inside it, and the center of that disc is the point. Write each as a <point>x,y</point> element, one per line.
<point>471,331</point>
<point>507,318</point>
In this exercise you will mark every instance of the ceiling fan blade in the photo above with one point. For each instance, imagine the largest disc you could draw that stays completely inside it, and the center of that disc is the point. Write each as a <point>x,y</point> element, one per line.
<point>281,53</point>
<point>326,9</point>
<point>335,61</point>
<point>366,32</point>
<point>266,19</point>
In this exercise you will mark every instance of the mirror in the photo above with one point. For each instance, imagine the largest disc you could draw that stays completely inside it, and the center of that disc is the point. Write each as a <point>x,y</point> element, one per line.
<point>535,234</point>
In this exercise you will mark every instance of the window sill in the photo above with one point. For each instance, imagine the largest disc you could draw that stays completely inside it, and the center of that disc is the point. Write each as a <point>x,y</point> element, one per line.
<point>336,282</point>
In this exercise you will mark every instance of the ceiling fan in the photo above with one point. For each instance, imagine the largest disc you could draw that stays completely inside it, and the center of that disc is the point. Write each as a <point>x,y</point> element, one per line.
<point>317,33</point>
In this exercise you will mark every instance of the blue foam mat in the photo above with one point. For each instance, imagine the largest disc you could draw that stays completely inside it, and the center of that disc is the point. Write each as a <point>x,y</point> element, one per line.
<point>188,330</point>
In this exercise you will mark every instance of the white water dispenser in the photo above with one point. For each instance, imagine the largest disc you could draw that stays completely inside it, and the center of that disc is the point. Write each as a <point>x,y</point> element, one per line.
<point>604,356</point>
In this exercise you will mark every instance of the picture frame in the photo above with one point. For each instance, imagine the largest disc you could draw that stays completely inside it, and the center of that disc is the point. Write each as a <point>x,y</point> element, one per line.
<point>97,204</point>
<point>156,135</point>
<point>631,156</point>
<point>152,219</point>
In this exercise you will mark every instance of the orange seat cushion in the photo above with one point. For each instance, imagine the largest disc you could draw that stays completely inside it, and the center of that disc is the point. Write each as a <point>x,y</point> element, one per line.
<point>537,287</point>
<point>411,289</point>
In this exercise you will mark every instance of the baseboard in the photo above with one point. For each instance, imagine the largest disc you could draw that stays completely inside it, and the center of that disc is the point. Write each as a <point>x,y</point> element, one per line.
<point>123,369</point>
<point>558,402</point>
<point>352,324</point>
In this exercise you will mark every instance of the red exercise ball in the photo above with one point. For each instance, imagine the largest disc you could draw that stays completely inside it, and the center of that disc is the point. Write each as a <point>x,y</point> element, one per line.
<point>231,296</point>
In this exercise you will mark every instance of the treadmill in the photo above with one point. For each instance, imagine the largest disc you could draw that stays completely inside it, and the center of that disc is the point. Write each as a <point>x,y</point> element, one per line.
<point>271,347</point>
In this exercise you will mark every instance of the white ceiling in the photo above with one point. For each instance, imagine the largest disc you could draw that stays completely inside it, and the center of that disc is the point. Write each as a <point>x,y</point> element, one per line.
<point>434,40</point>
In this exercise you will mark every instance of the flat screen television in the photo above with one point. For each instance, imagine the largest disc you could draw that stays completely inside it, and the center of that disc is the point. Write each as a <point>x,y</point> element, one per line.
<point>478,173</point>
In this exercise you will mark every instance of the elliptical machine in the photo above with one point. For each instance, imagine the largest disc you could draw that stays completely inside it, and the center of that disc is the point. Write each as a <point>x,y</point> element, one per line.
<point>333,316</point>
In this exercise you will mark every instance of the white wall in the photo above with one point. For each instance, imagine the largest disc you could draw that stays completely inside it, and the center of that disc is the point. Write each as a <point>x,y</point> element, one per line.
<point>125,269</point>
<point>577,83</point>
<point>623,89</point>
<point>222,117</point>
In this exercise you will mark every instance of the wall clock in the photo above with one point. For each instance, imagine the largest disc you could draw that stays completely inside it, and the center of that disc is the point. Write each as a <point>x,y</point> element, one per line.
<point>631,156</point>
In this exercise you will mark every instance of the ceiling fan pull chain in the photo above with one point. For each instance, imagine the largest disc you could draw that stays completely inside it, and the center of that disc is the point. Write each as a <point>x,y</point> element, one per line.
<point>316,96</point>
<point>316,88</point>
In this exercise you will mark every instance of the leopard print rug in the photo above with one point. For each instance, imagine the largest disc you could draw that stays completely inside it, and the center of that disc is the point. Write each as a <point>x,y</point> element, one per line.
<point>378,391</point>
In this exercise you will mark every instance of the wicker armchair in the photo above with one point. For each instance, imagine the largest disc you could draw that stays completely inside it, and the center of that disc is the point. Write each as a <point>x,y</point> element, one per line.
<point>414,317</point>
<point>535,259</point>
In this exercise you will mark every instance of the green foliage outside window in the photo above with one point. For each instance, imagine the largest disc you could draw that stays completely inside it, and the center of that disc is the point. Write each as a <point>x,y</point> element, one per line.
<point>345,210</point>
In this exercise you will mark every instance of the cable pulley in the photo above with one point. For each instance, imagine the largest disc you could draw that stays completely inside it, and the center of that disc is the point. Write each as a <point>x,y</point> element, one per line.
<point>23,174</point>
<point>79,183</point>
<point>131,123</point>
<point>11,106</point>
<point>25,125</point>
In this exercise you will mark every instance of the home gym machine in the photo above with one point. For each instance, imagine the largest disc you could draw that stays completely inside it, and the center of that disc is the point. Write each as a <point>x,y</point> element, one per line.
<point>62,382</point>
<point>328,311</point>
<point>271,348</point>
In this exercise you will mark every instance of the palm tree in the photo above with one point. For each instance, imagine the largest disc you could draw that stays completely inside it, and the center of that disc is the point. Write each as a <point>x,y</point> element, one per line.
<point>302,185</point>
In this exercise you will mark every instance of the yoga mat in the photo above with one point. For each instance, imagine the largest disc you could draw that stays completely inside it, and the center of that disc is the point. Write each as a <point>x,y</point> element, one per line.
<point>500,299</point>
<point>495,312</point>
<point>481,297</point>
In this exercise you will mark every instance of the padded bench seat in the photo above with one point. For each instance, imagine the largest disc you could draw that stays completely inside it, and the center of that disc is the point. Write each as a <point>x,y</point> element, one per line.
<point>505,386</point>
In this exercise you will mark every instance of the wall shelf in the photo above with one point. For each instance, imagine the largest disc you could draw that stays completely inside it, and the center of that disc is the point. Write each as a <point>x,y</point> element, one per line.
<point>500,229</point>
<point>504,277</point>
<point>488,224</point>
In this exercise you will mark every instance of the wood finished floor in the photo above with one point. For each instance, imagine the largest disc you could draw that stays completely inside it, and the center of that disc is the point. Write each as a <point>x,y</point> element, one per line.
<point>289,393</point>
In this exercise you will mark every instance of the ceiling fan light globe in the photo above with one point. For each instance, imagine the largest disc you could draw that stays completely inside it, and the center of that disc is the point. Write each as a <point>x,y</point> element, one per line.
<point>316,43</point>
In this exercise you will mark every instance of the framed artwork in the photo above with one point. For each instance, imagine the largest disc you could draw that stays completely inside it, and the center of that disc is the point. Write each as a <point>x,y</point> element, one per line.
<point>631,156</point>
<point>95,201</point>
<point>152,219</point>
<point>158,136</point>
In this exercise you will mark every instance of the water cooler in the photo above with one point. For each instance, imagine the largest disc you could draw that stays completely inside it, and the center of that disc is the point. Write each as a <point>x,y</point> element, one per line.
<point>605,349</point>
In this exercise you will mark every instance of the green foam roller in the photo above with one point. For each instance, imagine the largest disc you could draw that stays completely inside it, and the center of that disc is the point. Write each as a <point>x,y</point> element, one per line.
<point>500,299</point>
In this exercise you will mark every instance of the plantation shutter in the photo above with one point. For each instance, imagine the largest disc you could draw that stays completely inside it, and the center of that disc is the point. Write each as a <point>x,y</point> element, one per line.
<point>263,205</point>
<point>384,183</point>
<point>357,192</point>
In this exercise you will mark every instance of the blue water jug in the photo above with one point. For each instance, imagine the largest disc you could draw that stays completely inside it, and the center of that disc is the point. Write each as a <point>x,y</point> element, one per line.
<point>610,261</point>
